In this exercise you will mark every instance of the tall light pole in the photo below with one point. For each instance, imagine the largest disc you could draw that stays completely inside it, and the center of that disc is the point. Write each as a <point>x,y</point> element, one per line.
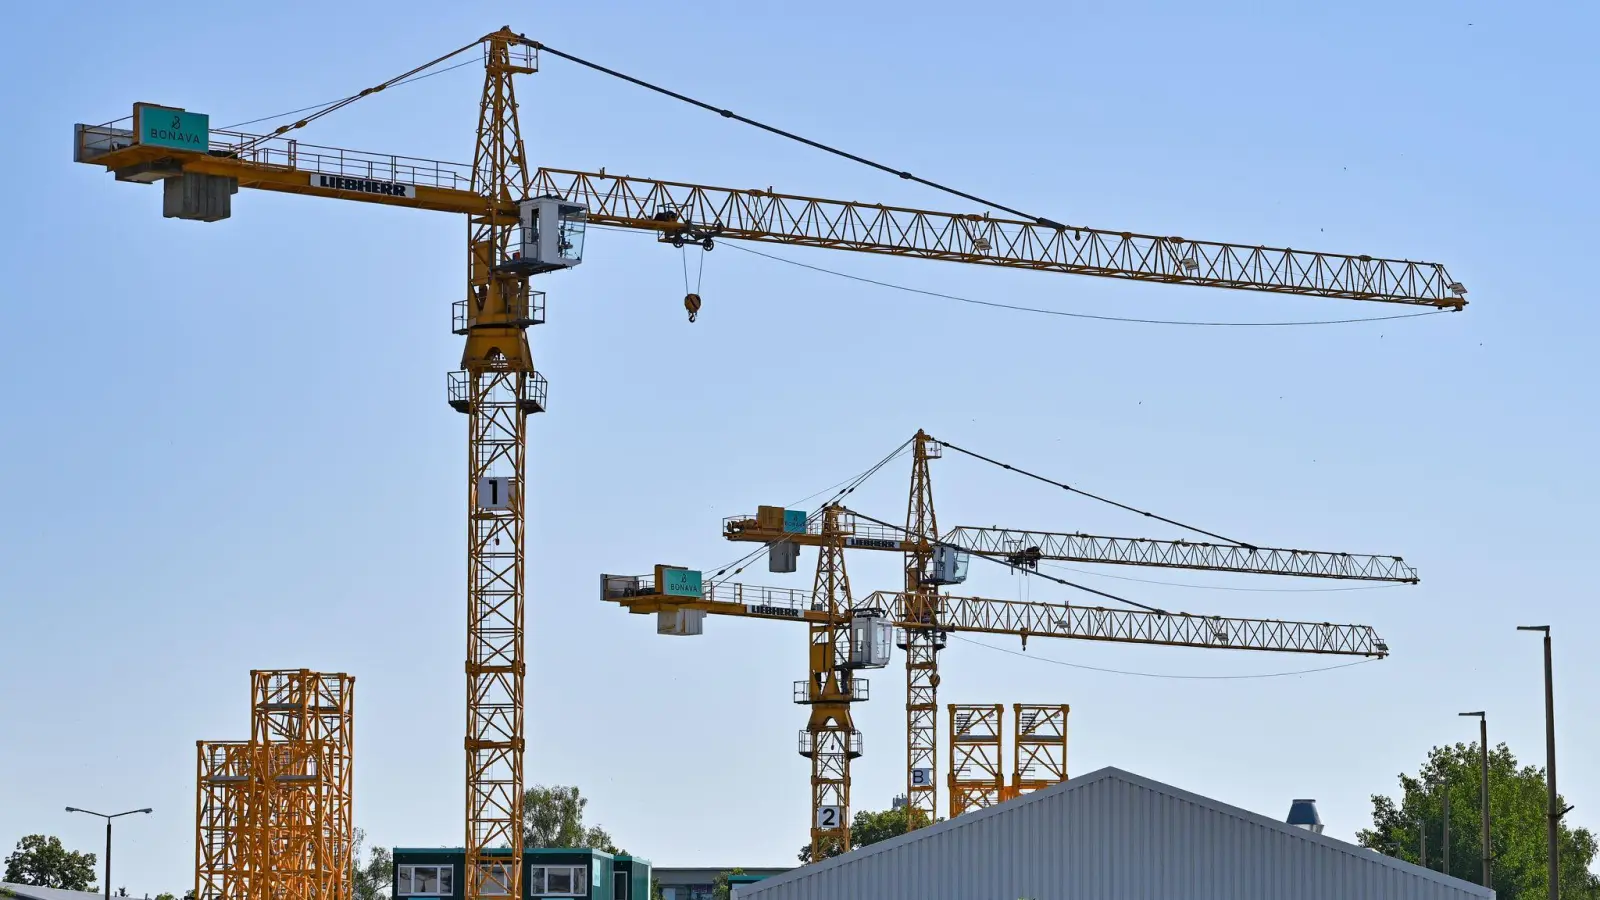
<point>1483,755</point>
<point>1552,814</point>
<point>72,809</point>
<point>1445,802</point>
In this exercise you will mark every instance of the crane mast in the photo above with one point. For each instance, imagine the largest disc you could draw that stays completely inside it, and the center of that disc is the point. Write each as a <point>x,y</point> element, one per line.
<point>922,640</point>
<point>830,739</point>
<point>497,388</point>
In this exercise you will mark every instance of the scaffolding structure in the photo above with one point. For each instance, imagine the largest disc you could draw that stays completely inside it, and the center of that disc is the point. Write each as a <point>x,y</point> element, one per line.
<point>1039,746</point>
<point>273,814</point>
<point>975,778</point>
<point>1038,752</point>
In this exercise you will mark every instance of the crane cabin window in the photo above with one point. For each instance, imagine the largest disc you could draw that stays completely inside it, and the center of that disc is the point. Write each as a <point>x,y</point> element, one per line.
<point>424,881</point>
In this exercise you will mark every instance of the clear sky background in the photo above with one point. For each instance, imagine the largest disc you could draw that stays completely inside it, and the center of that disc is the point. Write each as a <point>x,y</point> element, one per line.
<point>227,447</point>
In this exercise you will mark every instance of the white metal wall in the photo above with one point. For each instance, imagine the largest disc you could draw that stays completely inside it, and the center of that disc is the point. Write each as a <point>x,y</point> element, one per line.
<point>1112,836</point>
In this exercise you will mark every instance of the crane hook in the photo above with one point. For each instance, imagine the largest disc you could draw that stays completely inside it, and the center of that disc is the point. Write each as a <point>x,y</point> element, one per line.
<point>691,302</point>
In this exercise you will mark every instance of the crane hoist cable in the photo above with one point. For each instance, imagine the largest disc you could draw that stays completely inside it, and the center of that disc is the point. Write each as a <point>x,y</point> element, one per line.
<point>1067,487</point>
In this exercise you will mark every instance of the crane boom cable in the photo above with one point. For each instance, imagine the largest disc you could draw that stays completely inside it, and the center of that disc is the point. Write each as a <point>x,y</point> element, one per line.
<point>730,114</point>
<point>1062,662</point>
<point>296,112</point>
<point>1065,313</point>
<point>340,104</point>
<point>1067,487</point>
<point>1062,581</point>
<point>849,487</point>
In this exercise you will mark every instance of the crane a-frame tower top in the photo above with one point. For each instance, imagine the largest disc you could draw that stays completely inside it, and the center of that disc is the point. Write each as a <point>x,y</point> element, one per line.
<point>524,221</point>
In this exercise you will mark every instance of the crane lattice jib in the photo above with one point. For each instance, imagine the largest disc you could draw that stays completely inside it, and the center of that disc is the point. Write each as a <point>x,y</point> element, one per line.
<point>984,615</point>
<point>279,164</point>
<point>1006,543</point>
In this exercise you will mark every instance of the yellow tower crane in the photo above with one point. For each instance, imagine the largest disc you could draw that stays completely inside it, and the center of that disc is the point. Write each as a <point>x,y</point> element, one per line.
<point>524,222</point>
<point>679,598</point>
<point>934,561</point>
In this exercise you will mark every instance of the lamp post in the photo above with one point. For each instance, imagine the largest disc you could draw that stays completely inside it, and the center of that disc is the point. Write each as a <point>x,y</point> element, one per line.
<point>1552,814</point>
<point>73,809</point>
<point>1483,755</point>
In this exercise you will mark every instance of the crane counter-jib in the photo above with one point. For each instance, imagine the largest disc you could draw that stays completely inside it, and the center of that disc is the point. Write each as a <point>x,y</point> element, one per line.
<point>673,208</point>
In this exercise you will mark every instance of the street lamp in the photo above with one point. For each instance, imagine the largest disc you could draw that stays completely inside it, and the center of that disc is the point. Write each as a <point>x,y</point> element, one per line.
<point>72,809</point>
<point>1483,756</point>
<point>1552,814</point>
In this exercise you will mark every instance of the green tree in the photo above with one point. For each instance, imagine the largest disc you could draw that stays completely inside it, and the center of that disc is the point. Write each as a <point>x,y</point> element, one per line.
<point>868,827</point>
<point>1517,838</point>
<point>166,896</point>
<point>720,889</point>
<point>371,877</point>
<point>41,861</point>
<point>553,817</point>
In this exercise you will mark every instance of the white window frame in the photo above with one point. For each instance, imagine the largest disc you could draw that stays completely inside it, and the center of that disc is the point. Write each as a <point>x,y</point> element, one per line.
<point>578,876</point>
<point>496,874</point>
<point>403,878</point>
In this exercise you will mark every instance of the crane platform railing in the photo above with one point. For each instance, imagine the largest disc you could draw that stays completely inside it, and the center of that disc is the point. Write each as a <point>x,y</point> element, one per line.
<point>291,155</point>
<point>623,588</point>
<point>850,526</point>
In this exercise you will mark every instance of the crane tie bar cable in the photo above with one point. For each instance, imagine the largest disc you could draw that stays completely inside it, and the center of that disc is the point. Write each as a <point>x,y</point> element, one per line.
<point>1061,581</point>
<point>340,104</point>
<point>1068,487</point>
<point>730,114</point>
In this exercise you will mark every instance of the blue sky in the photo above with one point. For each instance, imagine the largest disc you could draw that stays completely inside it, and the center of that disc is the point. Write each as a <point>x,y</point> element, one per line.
<point>227,446</point>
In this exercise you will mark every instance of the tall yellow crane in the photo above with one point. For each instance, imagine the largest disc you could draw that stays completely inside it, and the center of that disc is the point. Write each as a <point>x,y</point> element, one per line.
<point>934,561</point>
<point>524,222</point>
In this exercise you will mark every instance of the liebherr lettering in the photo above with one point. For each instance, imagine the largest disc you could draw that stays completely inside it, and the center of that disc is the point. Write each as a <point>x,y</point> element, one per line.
<point>781,612</point>
<point>364,186</point>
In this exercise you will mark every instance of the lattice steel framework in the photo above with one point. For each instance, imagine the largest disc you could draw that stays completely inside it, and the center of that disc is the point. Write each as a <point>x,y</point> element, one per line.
<point>1039,746</point>
<point>224,849</point>
<point>497,388</point>
<point>976,779</point>
<point>922,640</point>
<point>302,726</point>
<point>1025,549</point>
<point>830,739</point>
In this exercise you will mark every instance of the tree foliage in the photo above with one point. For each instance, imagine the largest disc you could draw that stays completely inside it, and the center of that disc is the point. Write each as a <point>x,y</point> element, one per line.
<point>553,817</point>
<point>868,827</point>
<point>720,889</point>
<point>41,861</point>
<point>1517,836</point>
<point>370,877</point>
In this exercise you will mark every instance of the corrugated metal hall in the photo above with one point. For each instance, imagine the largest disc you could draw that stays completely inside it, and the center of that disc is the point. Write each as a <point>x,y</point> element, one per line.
<point>1113,835</point>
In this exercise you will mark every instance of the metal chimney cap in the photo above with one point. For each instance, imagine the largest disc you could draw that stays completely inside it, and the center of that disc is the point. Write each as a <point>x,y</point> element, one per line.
<point>1303,813</point>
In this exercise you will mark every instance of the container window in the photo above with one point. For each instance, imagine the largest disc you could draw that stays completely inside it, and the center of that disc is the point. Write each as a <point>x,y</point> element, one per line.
<point>424,881</point>
<point>558,881</point>
<point>496,881</point>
